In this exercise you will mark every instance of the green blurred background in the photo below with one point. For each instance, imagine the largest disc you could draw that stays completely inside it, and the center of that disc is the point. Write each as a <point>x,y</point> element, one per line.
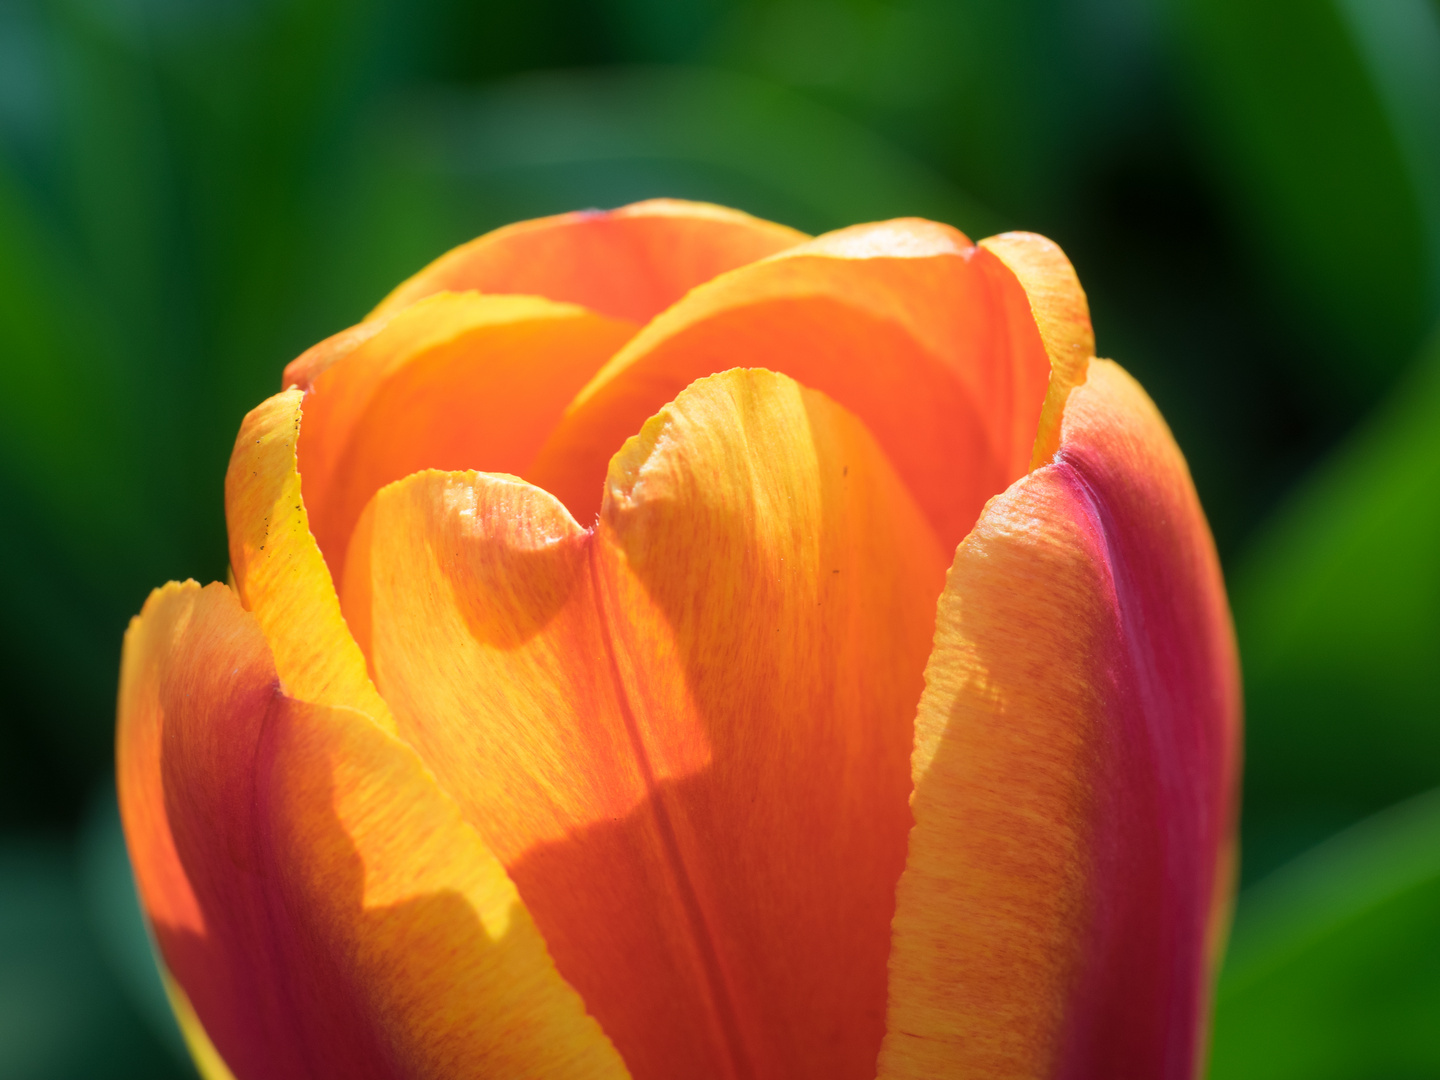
<point>193,191</point>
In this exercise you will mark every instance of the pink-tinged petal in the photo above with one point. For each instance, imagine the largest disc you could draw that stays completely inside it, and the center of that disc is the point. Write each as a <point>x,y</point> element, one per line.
<point>338,917</point>
<point>931,341</point>
<point>160,878</point>
<point>208,1061</point>
<point>686,732</point>
<point>457,381</point>
<point>1075,773</point>
<point>630,263</point>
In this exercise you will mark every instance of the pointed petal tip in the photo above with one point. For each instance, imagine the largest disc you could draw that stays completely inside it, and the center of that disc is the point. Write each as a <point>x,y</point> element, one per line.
<point>202,1051</point>
<point>1058,307</point>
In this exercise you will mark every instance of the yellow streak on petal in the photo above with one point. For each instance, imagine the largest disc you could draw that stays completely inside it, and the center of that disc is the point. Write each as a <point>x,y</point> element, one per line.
<point>207,1058</point>
<point>455,381</point>
<point>452,968</point>
<point>349,910</point>
<point>988,908</point>
<point>1068,876</point>
<point>280,575</point>
<point>686,733</point>
<point>1059,309</point>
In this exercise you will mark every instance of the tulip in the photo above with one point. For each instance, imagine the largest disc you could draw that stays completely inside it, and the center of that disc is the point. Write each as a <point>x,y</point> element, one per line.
<point>882,721</point>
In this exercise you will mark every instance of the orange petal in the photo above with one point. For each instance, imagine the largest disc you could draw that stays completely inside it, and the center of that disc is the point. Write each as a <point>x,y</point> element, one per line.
<point>342,919</point>
<point>630,263</point>
<point>455,382</point>
<point>316,360</point>
<point>1058,309</point>
<point>929,340</point>
<point>1075,772</point>
<point>686,733</point>
<point>278,570</point>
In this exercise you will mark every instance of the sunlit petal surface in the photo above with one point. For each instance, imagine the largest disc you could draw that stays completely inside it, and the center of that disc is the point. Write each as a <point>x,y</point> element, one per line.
<point>1065,890</point>
<point>1058,308</point>
<point>928,339</point>
<point>630,263</point>
<point>326,909</point>
<point>687,732</point>
<point>278,570</point>
<point>454,382</point>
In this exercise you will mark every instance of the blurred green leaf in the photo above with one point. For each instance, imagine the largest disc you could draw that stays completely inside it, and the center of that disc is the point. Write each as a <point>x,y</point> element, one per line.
<point>544,143</point>
<point>1333,971</point>
<point>1400,41</point>
<point>161,166</point>
<point>1337,607</point>
<point>64,407</point>
<point>112,904</point>
<point>62,1015</point>
<point>1325,115</point>
<point>1016,101</point>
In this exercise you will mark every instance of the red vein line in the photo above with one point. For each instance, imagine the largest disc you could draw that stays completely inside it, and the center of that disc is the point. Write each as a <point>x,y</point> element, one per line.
<point>737,1062</point>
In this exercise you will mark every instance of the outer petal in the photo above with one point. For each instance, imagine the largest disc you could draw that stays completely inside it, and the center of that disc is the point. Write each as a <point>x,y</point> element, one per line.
<point>278,570</point>
<point>1075,770</point>
<point>686,732</point>
<point>929,340</point>
<point>208,1061</point>
<point>630,263</point>
<point>454,382</point>
<point>325,908</point>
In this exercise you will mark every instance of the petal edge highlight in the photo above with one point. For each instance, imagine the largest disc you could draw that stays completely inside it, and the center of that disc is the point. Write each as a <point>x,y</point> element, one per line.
<point>353,925</point>
<point>1075,770</point>
<point>1058,308</point>
<point>928,339</point>
<point>279,572</point>
<point>456,381</point>
<point>629,263</point>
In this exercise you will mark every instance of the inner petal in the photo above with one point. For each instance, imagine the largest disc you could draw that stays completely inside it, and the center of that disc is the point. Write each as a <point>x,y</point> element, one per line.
<point>686,733</point>
<point>455,381</point>
<point>630,263</point>
<point>928,339</point>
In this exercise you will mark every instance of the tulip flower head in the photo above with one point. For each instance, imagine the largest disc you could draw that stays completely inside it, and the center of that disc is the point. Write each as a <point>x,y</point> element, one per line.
<point>661,644</point>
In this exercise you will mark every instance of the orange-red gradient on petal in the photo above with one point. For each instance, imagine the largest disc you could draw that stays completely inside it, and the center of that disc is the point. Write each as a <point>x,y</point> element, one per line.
<point>1076,759</point>
<point>566,717</point>
<point>322,903</point>
<point>687,732</point>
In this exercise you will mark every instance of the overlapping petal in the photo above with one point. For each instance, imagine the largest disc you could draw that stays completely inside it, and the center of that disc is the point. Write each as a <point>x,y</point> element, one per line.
<point>630,263</point>
<point>325,907</point>
<point>1056,305</point>
<point>685,733</point>
<point>931,341</point>
<point>688,734</point>
<point>1067,881</point>
<point>454,382</point>
<point>278,570</point>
